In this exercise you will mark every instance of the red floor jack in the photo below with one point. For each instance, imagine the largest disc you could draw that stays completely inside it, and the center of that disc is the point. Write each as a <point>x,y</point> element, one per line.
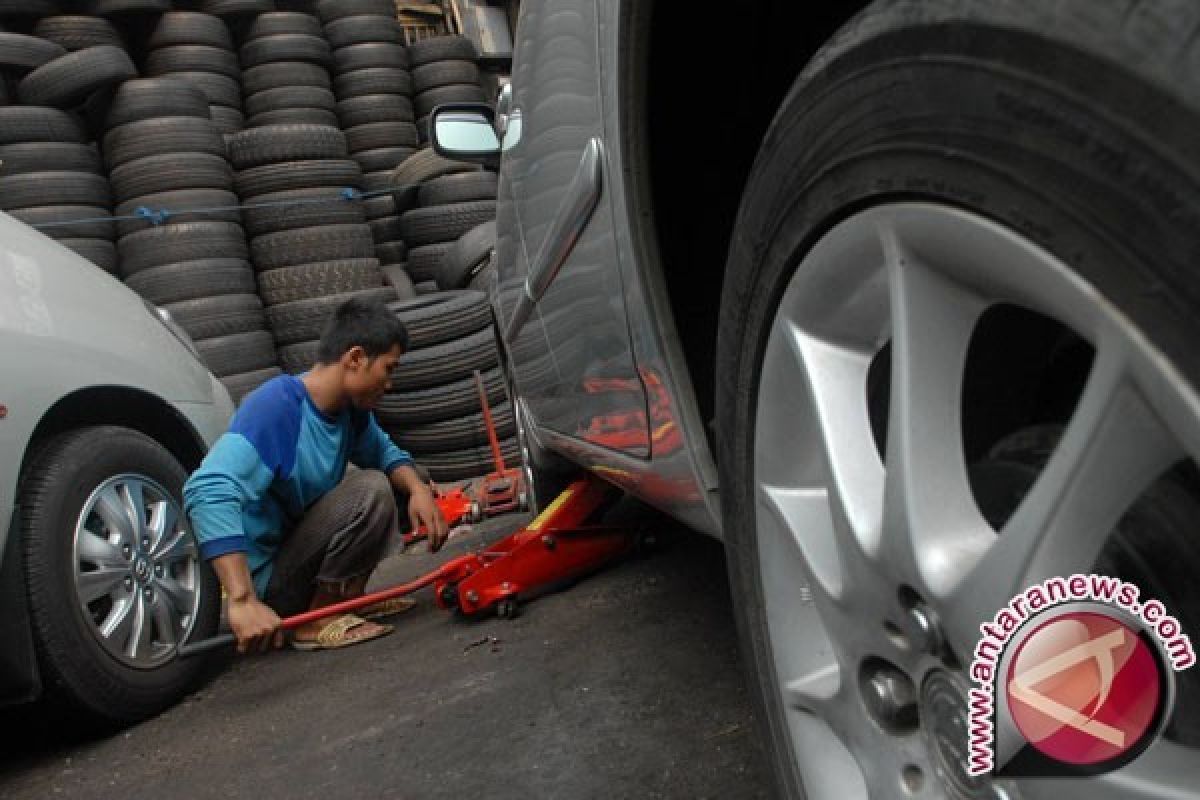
<point>555,548</point>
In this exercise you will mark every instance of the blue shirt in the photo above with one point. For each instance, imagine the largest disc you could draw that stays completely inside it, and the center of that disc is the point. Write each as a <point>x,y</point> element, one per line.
<point>280,455</point>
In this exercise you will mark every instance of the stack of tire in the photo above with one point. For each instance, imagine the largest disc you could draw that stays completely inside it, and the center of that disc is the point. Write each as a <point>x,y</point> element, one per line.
<point>198,48</point>
<point>443,71</point>
<point>285,79</point>
<point>310,243</point>
<point>50,174</point>
<point>374,89</point>
<point>165,154</point>
<point>432,407</point>
<point>453,199</point>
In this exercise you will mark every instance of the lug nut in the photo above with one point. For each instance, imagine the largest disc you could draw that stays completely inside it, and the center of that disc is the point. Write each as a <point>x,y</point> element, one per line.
<point>158,570</point>
<point>890,696</point>
<point>924,630</point>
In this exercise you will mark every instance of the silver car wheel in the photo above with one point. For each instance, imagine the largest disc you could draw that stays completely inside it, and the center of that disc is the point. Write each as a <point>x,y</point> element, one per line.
<point>872,566</point>
<point>137,576</point>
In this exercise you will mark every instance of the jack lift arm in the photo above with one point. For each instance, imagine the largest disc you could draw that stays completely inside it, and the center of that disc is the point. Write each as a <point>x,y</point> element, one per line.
<point>553,549</point>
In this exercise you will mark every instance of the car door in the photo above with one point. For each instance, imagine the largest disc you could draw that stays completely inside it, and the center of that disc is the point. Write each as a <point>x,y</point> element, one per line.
<point>572,360</point>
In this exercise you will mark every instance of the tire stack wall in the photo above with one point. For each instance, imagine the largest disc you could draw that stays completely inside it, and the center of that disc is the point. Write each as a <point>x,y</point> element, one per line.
<point>444,70</point>
<point>198,48</point>
<point>432,408</point>
<point>164,152</point>
<point>285,60</point>
<point>310,243</point>
<point>374,103</point>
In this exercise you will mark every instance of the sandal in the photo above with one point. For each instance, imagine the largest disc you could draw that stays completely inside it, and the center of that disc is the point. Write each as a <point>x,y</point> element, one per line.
<point>333,634</point>
<point>387,608</point>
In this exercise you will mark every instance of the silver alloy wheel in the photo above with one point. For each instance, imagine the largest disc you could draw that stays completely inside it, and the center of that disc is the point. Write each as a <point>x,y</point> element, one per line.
<point>137,570</point>
<point>843,535</point>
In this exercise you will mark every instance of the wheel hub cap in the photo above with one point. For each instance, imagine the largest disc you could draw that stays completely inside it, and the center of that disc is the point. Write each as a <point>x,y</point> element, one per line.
<point>945,723</point>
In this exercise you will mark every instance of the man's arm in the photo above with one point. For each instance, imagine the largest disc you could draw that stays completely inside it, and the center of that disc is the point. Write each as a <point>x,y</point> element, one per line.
<point>254,623</point>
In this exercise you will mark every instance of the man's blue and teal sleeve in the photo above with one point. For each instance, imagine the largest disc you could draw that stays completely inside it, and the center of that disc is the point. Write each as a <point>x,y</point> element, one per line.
<point>374,449</point>
<point>232,477</point>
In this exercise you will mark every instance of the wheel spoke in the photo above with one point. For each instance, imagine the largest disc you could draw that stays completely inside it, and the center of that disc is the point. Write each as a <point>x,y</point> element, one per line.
<point>179,597</point>
<point>142,629</point>
<point>100,582</point>
<point>134,502</point>
<point>815,691</point>
<point>163,519</point>
<point>929,512</point>
<point>97,550</point>
<point>1167,771</point>
<point>1113,448</point>
<point>120,621</point>
<point>164,621</point>
<point>111,508</point>
<point>174,547</point>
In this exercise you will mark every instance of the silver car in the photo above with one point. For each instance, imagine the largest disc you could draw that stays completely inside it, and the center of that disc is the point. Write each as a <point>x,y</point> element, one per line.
<point>901,301</point>
<point>104,406</point>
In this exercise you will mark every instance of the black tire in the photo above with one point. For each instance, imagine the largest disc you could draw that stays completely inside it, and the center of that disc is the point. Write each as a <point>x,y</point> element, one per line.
<point>462,187</point>
<point>368,55</point>
<point>425,165</point>
<point>392,253</point>
<point>26,124</point>
<point>49,157</point>
<point>149,98</point>
<point>77,32</point>
<point>285,47</point>
<point>189,28</point>
<point>289,97</point>
<point>309,245</point>
<point>118,8</point>
<point>68,80</point>
<point>385,230</point>
<point>306,281</point>
<point>383,159</point>
<point>193,58</point>
<point>443,317</point>
<point>217,89</point>
<point>101,252</point>
<point>441,48</point>
<point>446,363</point>
<point>450,401</point>
<point>467,256</point>
<point>300,208</point>
<point>456,434</point>
<point>426,262</point>
<point>282,74</point>
<point>296,358</point>
<point>372,80</point>
<point>54,189</point>
<point>365,109</point>
<point>463,464</point>
<point>303,320</point>
<point>269,178</point>
<point>363,29</point>
<point>227,120</point>
<point>279,22</point>
<point>62,221</point>
<point>21,53</point>
<point>1074,80</point>
<point>181,205</point>
<point>485,278</point>
<point>181,281</point>
<point>238,353</point>
<point>426,287</point>
<point>184,241</point>
<point>293,116</point>
<point>162,136</point>
<point>426,102</point>
<point>422,226</point>
<point>382,182</point>
<point>237,8</point>
<point>220,315</point>
<point>378,206</point>
<point>79,675</point>
<point>377,135</point>
<point>331,10</point>
<point>162,173</point>
<point>19,9</point>
<point>243,383</point>
<point>279,143</point>
<point>394,275</point>
<point>444,73</point>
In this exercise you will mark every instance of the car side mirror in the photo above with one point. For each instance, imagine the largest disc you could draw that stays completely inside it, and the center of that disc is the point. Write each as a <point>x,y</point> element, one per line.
<point>465,132</point>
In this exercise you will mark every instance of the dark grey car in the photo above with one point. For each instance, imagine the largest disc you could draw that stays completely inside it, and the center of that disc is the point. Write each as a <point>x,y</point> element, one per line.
<point>899,300</point>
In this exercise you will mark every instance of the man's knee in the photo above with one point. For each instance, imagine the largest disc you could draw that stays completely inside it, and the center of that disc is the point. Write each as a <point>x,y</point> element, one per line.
<point>374,488</point>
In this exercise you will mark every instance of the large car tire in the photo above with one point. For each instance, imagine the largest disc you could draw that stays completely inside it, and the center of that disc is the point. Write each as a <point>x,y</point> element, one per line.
<point>77,32</point>
<point>278,22</point>
<point>68,80</point>
<point>443,317</point>
<point>449,401</point>
<point>285,47</point>
<point>309,245</point>
<point>293,116</point>
<point>165,135</point>
<point>372,54</point>
<point>69,222</point>
<point>372,80</point>
<point>289,97</point>
<point>29,124</point>
<point>425,262</point>
<point>306,281</point>
<point>332,10</point>
<point>181,281</point>
<point>22,53</point>
<point>461,187</point>
<point>365,109</point>
<point>279,143</point>
<point>217,89</point>
<point>922,139</point>
<point>446,363</point>
<point>424,226</point>
<point>383,159</point>
<point>193,58</point>
<point>444,73</point>
<point>364,29</point>
<point>467,256</point>
<point>101,252</point>
<point>181,205</point>
<point>300,208</point>
<point>427,101</point>
<point>170,171</point>
<point>219,315</point>
<point>78,671</point>
<point>304,320</point>
<point>189,28</point>
<point>292,175</point>
<point>456,434</point>
<point>49,156</point>
<point>53,189</point>
<point>460,465</point>
<point>441,48</point>
<point>376,135</point>
<point>237,353</point>
<point>180,242</point>
<point>282,74</point>
<point>244,383</point>
<point>425,165</point>
<point>150,98</point>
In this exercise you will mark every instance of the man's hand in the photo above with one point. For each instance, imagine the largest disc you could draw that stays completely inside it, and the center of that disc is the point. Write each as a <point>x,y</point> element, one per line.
<point>255,625</point>
<point>423,511</point>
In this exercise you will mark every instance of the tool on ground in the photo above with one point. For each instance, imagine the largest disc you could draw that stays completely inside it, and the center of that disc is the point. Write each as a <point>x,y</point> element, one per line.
<point>456,505</point>
<point>552,550</point>
<point>502,490</point>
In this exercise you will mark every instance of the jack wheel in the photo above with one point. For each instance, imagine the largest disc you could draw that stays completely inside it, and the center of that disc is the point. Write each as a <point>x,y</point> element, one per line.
<point>449,595</point>
<point>508,608</point>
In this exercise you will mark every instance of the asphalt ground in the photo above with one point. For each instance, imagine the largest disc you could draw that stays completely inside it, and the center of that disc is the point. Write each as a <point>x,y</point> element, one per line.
<point>626,685</point>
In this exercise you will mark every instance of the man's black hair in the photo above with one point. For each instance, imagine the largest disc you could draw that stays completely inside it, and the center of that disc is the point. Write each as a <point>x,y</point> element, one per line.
<point>364,323</point>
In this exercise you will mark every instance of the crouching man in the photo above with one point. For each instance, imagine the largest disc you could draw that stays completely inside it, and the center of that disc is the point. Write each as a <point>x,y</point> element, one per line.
<point>285,525</point>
